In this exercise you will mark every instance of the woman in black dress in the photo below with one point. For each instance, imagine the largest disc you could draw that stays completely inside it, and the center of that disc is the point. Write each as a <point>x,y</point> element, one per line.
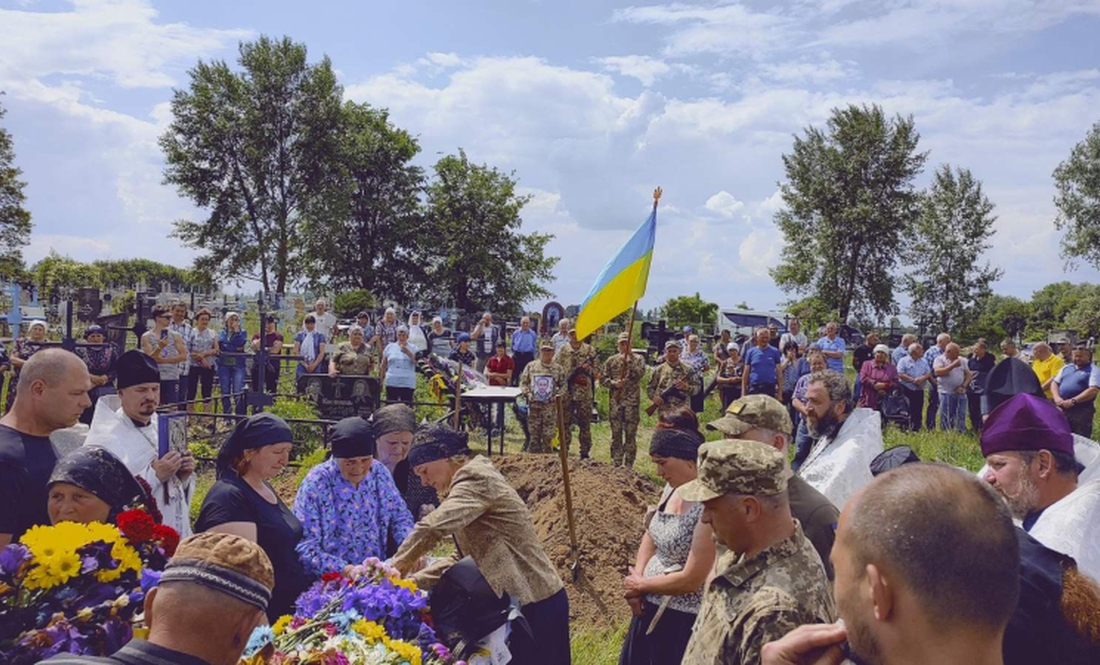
<point>394,425</point>
<point>243,503</point>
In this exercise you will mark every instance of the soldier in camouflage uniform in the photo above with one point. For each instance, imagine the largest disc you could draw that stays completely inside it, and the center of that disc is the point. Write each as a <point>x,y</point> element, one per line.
<point>780,585</point>
<point>623,373</point>
<point>541,382</point>
<point>578,363</point>
<point>672,373</point>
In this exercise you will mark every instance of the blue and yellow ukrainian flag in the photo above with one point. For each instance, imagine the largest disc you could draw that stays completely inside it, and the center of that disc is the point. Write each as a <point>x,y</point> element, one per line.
<point>622,281</point>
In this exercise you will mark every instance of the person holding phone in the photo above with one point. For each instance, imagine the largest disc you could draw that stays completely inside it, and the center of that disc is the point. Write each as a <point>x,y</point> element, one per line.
<point>126,426</point>
<point>167,349</point>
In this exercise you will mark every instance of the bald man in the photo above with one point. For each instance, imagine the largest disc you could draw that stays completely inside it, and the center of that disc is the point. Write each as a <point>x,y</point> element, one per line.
<point>51,394</point>
<point>919,591</point>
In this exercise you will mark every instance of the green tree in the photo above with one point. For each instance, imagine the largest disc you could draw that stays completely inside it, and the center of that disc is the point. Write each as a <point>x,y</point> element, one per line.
<point>999,317</point>
<point>811,311</point>
<point>1077,181</point>
<point>251,148</point>
<point>349,303</point>
<point>473,250</point>
<point>946,280</point>
<point>364,232</point>
<point>690,311</point>
<point>849,200</point>
<point>1085,315</point>
<point>57,276</point>
<point>1050,305</point>
<point>129,273</point>
<point>15,220</point>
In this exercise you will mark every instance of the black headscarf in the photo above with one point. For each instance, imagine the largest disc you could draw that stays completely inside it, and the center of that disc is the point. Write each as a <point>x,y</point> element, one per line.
<point>262,429</point>
<point>678,443</point>
<point>97,471</point>
<point>434,442</point>
<point>393,418</point>
<point>352,437</point>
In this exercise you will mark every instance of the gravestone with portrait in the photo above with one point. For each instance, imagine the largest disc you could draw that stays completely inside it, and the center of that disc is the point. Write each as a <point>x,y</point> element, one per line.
<point>341,396</point>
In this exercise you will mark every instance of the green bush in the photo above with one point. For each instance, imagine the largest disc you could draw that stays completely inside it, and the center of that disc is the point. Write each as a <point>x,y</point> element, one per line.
<point>350,303</point>
<point>309,438</point>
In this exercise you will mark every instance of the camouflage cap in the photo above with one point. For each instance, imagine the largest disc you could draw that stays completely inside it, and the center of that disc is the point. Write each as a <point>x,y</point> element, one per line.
<point>672,344</point>
<point>751,412</point>
<point>546,344</point>
<point>736,467</point>
<point>624,337</point>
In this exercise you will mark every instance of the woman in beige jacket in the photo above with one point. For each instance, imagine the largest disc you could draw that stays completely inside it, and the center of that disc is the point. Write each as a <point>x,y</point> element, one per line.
<point>490,524</point>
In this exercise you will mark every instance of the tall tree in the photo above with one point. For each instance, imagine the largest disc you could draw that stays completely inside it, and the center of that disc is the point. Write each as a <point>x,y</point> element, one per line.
<point>1051,304</point>
<point>946,280</point>
<point>57,276</point>
<point>15,220</point>
<point>849,201</point>
<point>474,252</point>
<point>690,310</point>
<point>251,148</point>
<point>999,317</point>
<point>129,273</point>
<point>1077,181</point>
<point>364,232</point>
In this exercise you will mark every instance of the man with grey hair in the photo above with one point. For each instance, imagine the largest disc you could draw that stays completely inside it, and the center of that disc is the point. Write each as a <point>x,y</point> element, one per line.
<point>913,373</point>
<point>525,342</point>
<point>935,351</point>
<point>326,320</point>
<point>52,393</point>
<point>485,336</point>
<point>386,331</point>
<point>839,463</point>
<point>952,379</point>
<point>907,340</point>
<point>833,347</point>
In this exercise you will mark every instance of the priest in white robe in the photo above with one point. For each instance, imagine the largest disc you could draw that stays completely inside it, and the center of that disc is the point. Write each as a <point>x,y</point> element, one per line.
<point>126,426</point>
<point>1034,461</point>
<point>839,462</point>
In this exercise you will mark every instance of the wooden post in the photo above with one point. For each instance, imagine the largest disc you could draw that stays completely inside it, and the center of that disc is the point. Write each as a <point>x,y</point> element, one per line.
<point>564,454</point>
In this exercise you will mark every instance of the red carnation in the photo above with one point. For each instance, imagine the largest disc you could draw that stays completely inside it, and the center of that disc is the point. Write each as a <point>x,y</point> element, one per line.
<point>168,537</point>
<point>330,577</point>
<point>136,525</point>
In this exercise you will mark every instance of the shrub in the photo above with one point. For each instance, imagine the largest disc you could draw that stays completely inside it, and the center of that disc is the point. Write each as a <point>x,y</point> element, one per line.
<point>350,303</point>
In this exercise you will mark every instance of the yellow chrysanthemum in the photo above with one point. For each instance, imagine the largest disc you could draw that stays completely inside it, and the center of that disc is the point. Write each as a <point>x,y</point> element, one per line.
<point>371,631</point>
<point>406,584</point>
<point>280,626</point>
<point>39,577</point>
<point>108,533</point>
<point>409,652</point>
<point>62,566</point>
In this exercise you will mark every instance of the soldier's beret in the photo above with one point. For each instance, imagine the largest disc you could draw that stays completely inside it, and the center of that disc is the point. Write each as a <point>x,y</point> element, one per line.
<point>736,467</point>
<point>752,412</point>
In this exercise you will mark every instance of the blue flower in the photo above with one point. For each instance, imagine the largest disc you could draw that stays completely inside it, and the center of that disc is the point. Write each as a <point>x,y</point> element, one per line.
<point>12,559</point>
<point>260,638</point>
<point>149,579</point>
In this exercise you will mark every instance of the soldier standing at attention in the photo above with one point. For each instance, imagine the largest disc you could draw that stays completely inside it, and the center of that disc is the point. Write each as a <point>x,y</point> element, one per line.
<point>770,581</point>
<point>541,382</point>
<point>671,373</point>
<point>578,364</point>
<point>623,373</point>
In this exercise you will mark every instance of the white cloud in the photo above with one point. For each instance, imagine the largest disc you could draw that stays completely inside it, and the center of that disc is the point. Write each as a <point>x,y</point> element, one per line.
<point>724,204</point>
<point>726,28</point>
<point>759,251</point>
<point>117,39</point>
<point>642,67</point>
<point>823,71</point>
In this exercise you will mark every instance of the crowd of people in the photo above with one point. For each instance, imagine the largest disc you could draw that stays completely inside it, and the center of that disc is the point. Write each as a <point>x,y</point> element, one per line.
<point>794,537</point>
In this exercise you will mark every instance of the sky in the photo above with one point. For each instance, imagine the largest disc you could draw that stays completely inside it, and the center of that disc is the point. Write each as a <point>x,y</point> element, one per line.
<point>592,104</point>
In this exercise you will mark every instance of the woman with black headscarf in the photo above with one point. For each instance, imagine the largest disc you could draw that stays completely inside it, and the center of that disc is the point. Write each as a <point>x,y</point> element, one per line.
<point>348,505</point>
<point>102,362</point>
<point>664,586</point>
<point>243,503</point>
<point>91,485</point>
<point>491,525</point>
<point>394,425</point>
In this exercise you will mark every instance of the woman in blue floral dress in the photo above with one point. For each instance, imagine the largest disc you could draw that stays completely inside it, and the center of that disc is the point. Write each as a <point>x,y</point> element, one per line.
<point>349,506</point>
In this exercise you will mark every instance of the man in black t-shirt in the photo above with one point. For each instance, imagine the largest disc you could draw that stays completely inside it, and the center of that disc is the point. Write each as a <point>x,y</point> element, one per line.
<point>52,393</point>
<point>862,354</point>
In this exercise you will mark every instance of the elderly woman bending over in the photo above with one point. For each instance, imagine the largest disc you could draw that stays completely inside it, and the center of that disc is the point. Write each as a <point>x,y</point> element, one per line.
<point>394,426</point>
<point>349,506</point>
<point>490,524</point>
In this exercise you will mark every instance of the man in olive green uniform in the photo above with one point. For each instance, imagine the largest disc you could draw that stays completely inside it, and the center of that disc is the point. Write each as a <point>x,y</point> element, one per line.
<point>541,382</point>
<point>578,364</point>
<point>671,373</point>
<point>770,581</point>
<point>762,418</point>
<point>623,373</point>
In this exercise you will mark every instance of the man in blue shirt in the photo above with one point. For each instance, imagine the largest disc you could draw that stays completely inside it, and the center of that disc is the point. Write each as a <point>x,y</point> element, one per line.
<point>524,343</point>
<point>914,372</point>
<point>942,340</point>
<point>761,378</point>
<point>833,348</point>
<point>1074,391</point>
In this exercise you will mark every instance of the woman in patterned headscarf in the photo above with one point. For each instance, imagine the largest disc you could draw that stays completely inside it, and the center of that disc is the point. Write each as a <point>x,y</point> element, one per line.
<point>21,351</point>
<point>92,485</point>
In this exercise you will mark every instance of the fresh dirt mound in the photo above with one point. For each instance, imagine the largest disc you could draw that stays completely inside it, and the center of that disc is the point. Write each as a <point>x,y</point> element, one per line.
<point>609,503</point>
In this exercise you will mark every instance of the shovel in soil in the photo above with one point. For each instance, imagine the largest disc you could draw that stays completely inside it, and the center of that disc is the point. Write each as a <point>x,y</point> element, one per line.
<point>575,566</point>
